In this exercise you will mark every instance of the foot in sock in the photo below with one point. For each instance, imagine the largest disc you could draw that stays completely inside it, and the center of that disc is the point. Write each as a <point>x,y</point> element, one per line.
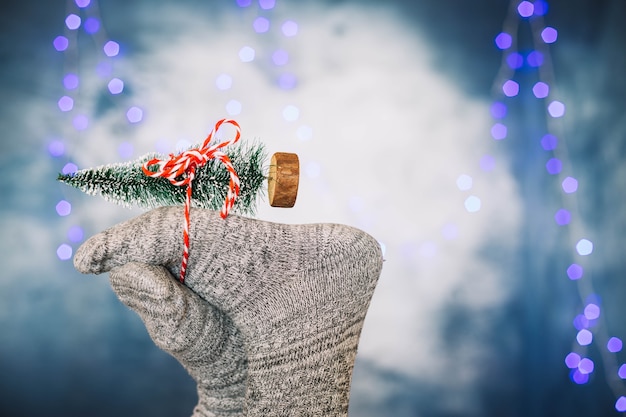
<point>198,335</point>
<point>297,293</point>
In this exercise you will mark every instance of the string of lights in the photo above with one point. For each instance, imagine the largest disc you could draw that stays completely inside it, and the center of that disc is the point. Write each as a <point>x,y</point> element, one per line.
<point>507,87</point>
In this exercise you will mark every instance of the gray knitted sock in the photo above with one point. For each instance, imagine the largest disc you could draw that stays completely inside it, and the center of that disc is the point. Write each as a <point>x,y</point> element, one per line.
<point>197,334</point>
<point>297,293</point>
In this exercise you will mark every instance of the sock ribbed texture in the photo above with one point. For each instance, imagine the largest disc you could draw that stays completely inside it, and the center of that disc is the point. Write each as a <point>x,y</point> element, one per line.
<point>198,335</point>
<point>297,293</point>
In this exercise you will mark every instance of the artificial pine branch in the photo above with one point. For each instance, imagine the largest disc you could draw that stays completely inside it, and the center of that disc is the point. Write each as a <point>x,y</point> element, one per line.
<point>126,184</point>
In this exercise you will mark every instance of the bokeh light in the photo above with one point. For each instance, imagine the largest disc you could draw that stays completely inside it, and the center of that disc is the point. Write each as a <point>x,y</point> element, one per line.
<point>535,59</point>
<point>541,90</point>
<point>621,372</point>
<point>584,337</point>
<point>72,21</point>
<point>554,166</point>
<point>291,113</point>
<point>592,311</point>
<point>515,60</point>
<point>66,103</point>
<point>472,204</point>
<point>562,217</point>
<point>111,48</point>
<point>69,168</point>
<point>63,208</point>
<point>233,107</point>
<point>60,43</point>
<point>556,109</point>
<point>280,57</point>
<point>287,81</point>
<point>572,360</point>
<point>80,122</point>
<point>581,322</point>
<point>134,114</point>
<point>104,69</point>
<point>498,110</point>
<point>614,344</point>
<point>570,185</point>
<point>584,247</point>
<point>574,272</point>
<point>56,147</point>
<point>70,81</point>
<point>510,88</point>
<point>620,404</point>
<point>92,25</point>
<point>525,9</point>
<point>246,54</point>
<point>464,182</point>
<point>586,366</point>
<point>549,142</point>
<point>487,163</point>
<point>75,234</point>
<point>244,3</point>
<point>261,24</point>
<point>579,377</point>
<point>64,252</point>
<point>541,7</point>
<point>289,28</point>
<point>498,131</point>
<point>224,82</point>
<point>115,86</point>
<point>504,40</point>
<point>83,3</point>
<point>549,35</point>
<point>267,4</point>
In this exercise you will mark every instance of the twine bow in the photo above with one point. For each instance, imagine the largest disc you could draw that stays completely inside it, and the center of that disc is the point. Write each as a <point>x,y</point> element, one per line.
<point>180,170</point>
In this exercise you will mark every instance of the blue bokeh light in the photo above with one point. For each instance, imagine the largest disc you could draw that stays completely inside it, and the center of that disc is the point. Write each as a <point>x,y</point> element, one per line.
<point>535,59</point>
<point>70,81</point>
<point>244,3</point>
<point>504,40</point>
<point>267,4</point>
<point>541,7</point>
<point>584,247</point>
<point>562,217</point>
<point>287,81</point>
<point>525,9</point>
<point>472,204</point>
<point>554,166</point>
<point>498,131</point>
<point>549,142</point>
<point>92,25</point>
<point>56,148</point>
<point>579,377</point>
<point>75,234</point>
<point>581,322</point>
<point>498,110</point>
<point>61,43</point>
<point>515,60</point>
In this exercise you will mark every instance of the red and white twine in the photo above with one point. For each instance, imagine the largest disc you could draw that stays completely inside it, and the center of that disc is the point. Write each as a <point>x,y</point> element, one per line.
<point>180,170</point>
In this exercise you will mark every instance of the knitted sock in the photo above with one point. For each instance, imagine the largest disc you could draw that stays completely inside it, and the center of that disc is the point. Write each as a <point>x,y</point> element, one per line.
<point>297,293</point>
<point>198,335</point>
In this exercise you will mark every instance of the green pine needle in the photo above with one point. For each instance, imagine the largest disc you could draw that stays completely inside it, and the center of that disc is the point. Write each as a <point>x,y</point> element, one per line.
<point>126,184</point>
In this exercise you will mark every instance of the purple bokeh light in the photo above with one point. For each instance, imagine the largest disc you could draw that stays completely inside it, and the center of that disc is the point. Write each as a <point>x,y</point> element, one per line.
<point>541,8</point>
<point>66,103</point>
<point>614,345</point>
<point>549,142</point>
<point>515,60</point>
<point>510,88</point>
<point>592,311</point>
<point>549,35</point>
<point>72,21</point>
<point>525,9</point>
<point>498,110</point>
<point>581,322</point>
<point>75,234</point>
<point>503,40</point>
<point>64,252</point>
<point>535,59</point>
<point>621,372</point>
<point>261,24</point>
<point>487,163</point>
<point>287,81</point>
<point>92,25</point>
<point>574,272</point>
<point>578,377</point>
<point>83,3</point>
<point>80,122</point>
<point>620,404</point>
<point>70,81</point>
<point>584,337</point>
<point>541,90</point>
<point>111,48</point>
<point>554,166</point>
<point>290,28</point>
<point>56,148</point>
<point>134,114</point>
<point>572,360</point>
<point>570,185</point>
<point>244,3</point>
<point>60,43</point>
<point>267,4</point>
<point>280,57</point>
<point>69,168</point>
<point>562,217</point>
<point>63,208</point>
<point>498,131</point>
<point>586,366</point>
<point>115,86</point>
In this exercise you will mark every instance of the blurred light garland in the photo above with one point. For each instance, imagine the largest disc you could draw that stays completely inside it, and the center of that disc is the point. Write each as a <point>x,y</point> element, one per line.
<point>506,87</point>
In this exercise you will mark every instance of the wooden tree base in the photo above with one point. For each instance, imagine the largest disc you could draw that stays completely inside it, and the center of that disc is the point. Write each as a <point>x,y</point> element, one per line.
<point>282,183</point>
